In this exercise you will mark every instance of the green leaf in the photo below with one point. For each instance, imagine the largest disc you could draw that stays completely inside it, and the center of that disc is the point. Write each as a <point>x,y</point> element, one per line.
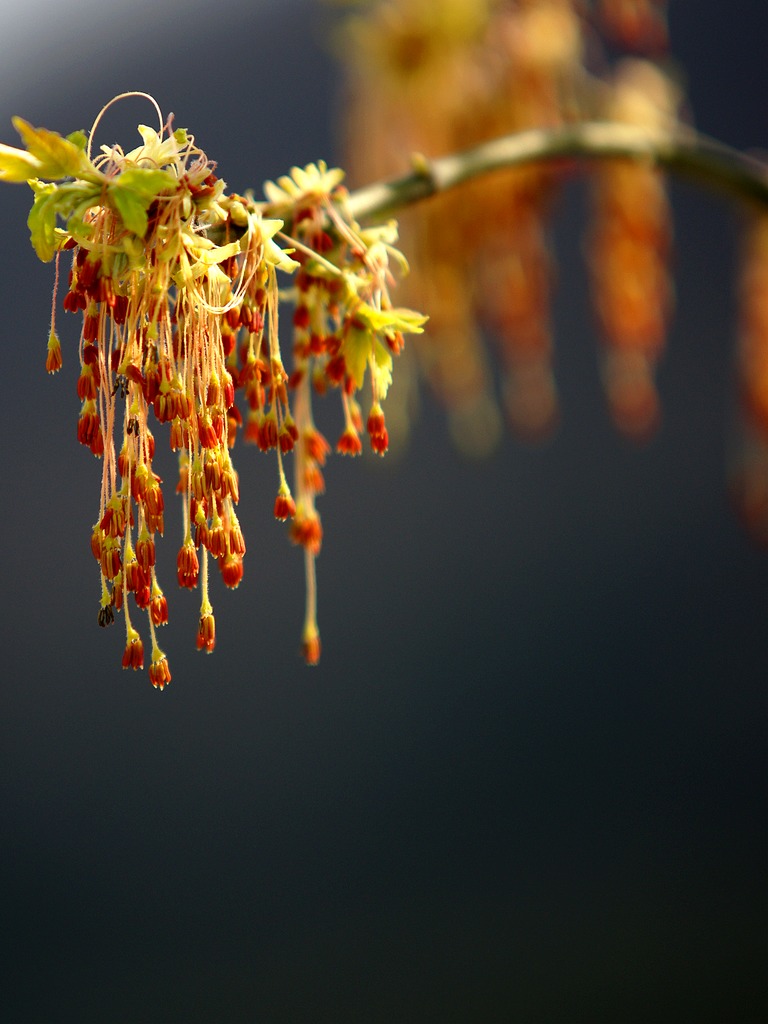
<point>42,221</point>
<point>381,369</point>
<point>147,182</point>
<point>133,191</point>
<point>17,164</point>
<point>79,139</point>
<point>68,201</point>
<point>59,158</point>
<point>390,320</point>
<point>356,350</point>
<point>131,207</point>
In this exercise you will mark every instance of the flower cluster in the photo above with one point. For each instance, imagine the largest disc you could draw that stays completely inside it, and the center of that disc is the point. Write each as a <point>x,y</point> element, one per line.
<point>440,76</point>
<point>176,284</point>
<point>345,330</point>
<point>629,251</point>
<point>749,475</point>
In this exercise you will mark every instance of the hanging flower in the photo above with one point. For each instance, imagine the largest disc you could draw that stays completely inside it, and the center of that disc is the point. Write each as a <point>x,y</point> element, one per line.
<point>175,282</point>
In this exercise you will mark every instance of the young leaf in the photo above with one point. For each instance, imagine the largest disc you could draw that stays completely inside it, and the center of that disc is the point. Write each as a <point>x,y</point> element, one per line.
<point>148,182</point>
<point>17,164</point>
<point>381,370</point>
<point>356,349</point>
<point>59,158</point>
<point>42,220</point>
<point>131,206</point>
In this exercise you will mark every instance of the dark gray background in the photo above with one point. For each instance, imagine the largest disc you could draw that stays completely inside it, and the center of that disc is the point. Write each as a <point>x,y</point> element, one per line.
<point>527,781</point>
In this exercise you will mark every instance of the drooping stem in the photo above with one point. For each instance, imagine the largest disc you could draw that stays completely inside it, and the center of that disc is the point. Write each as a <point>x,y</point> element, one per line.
<point>681,150</point>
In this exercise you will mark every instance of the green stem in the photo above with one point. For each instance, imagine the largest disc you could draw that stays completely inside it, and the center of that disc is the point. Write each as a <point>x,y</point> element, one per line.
<point>681,150</point>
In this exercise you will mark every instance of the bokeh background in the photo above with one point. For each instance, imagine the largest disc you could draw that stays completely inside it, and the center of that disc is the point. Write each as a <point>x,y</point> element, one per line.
<point>527,781</point>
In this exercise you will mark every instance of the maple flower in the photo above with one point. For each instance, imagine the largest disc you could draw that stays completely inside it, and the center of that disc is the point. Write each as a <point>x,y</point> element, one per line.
<point>436,78</point>
<point>304,184</point>
<point>159,672</point>
<point>133,655</point>
<point>175,283</point>
<point>346,332</point>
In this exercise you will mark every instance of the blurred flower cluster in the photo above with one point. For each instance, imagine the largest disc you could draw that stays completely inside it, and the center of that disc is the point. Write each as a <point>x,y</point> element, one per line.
<point>438,76</point>
<point>427,78</point>
<point>175,281</point>
<point>749,478</point>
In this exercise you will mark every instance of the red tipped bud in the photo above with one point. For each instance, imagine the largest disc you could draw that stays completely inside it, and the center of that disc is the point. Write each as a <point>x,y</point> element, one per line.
<point>187,566</point>
<point>159,672</point>
<point>133,655</point>
<point>310,644</point>
<point>53,359</point>
<point>206,632</point>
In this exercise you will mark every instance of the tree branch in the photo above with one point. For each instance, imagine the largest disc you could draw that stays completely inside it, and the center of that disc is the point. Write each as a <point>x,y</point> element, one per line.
<point>682,151</point>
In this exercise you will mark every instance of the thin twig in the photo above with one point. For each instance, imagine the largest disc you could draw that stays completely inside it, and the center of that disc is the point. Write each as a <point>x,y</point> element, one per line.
<point>682,151</point>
